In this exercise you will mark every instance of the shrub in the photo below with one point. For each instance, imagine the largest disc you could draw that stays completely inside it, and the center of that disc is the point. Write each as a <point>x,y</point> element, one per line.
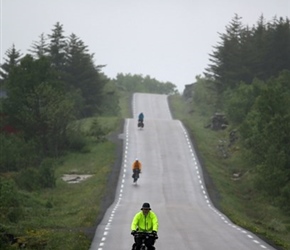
<point>285,198</point>
<point>76,141</point>
<point>28,179</point>
<point>16,153</point>
<point>10,202</point>
<point>32,179</point>
<point>46,173</point>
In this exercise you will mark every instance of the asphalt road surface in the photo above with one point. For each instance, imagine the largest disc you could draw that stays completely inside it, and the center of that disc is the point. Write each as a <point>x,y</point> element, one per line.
<point>172,182</point>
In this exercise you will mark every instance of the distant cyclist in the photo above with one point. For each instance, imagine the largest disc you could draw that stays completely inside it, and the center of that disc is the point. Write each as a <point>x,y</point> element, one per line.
<point>141,120</point>
<point>136,168</point>
<point>145,221</point>
<point>141,117</point>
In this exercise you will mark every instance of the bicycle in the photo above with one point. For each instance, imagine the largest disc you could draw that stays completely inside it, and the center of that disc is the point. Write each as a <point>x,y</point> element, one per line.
<point>135,176</point>
<point>140,124</point>
<point>145,236</point>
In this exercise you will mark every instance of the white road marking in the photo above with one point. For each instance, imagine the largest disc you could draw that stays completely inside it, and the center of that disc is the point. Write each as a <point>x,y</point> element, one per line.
<point>206,197</point>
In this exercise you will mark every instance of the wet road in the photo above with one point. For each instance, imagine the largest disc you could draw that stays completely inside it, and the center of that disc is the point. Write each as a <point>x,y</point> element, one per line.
<point>172,182</point>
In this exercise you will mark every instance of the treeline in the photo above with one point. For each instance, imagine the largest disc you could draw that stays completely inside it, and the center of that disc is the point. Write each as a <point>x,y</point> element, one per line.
<point>50,88</point>
<point>138,83</point>
<point>245,53</point>
<point>249,81</point>
<point>46,91</point>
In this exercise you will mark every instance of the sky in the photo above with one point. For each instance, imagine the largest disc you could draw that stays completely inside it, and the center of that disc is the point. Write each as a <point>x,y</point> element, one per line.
<point>169,40</point>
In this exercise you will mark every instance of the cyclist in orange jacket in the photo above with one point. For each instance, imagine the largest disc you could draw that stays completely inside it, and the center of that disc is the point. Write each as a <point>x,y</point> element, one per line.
<point>136,168</point>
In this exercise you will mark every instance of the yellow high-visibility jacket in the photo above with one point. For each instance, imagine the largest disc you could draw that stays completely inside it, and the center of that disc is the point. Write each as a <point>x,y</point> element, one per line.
<point>144,223</point>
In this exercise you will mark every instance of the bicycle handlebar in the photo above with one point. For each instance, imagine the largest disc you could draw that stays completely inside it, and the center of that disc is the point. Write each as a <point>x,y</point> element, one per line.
<point>145,234</point>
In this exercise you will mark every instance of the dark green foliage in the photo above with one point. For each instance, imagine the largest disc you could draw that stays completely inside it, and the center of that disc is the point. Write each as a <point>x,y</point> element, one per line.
<point>33,179</point>
<point>285,198</point>
<point>266,134</point>
<point>40,48</point>
<point>16,153</point>
<point>227,58</point>
<point>97,131</point>
<point>277,47</point>
<point>110,101</point>
<point>10,202</point>
<point>46,173</point>
<point>246,53</point>
<point>76,141</point>
<point>28,179</point>
<point>204,96</point>
<point>250,75</point>
<point>37,104</point>
<point>57,46</point>
<point>12,60</point>
<point>81,74</point>
<point>238,103</point>
<point>45,93</point>
<point>137,83</point>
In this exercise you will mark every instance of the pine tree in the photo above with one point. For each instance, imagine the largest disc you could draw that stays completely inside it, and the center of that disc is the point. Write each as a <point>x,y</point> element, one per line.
<point>12,60</point>
<point>37,104</point>
<point>82,75</point>
<point>277,51</point>
<point>227,57</point>
<point>56,47</point>
<point>40,48</point>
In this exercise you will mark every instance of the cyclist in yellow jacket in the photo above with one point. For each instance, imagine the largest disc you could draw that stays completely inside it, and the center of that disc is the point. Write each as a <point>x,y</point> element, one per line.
<point>145,221</point>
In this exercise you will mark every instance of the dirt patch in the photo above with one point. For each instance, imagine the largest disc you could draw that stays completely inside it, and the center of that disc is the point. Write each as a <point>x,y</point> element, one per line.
<point>75,178</point>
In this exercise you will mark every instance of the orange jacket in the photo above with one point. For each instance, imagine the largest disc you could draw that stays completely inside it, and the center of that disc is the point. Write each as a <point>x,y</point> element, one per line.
<point>137,165</point>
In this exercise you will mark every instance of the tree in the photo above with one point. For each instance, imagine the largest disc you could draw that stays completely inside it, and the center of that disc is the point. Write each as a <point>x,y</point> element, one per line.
<point>56,47</point>
<point>239,103</point>
<point>38,105</point>
<point>266,134</point>
<point>138,83</point>
<point>247,53</point>
<point>259,44</point>
<point>227,57</point>
<point>277,48</point>
<point>40,48</point>
<point>110,100</point>
<point>82,75</point>
<point>12,60</point>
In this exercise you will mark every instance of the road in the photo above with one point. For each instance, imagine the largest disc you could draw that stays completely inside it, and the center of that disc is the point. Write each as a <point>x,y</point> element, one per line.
<point>172,182</point>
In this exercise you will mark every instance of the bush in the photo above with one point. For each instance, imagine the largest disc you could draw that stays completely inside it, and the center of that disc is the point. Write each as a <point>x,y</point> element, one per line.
<point>76,141</point>
<point>46,173</point>
<point>97,131</point>
<point>10,202</point>
<point>28,179</point>
<point>285,198</point>
<point>16,153</point>
<point>32,179</point>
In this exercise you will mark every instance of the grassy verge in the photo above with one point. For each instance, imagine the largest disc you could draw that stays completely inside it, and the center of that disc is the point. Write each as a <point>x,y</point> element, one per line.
<point>66,216</point>
<point>237,197</point>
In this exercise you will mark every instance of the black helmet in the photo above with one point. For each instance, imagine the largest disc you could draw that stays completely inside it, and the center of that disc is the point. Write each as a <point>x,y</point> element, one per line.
<point>146,205</point>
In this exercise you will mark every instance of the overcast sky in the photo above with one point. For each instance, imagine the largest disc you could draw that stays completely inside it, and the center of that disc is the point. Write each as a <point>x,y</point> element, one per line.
<point>169,40</point>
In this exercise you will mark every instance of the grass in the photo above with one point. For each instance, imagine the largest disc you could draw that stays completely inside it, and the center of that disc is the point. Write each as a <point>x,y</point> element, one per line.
<point>65,217</point>
<point>238,198</point>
